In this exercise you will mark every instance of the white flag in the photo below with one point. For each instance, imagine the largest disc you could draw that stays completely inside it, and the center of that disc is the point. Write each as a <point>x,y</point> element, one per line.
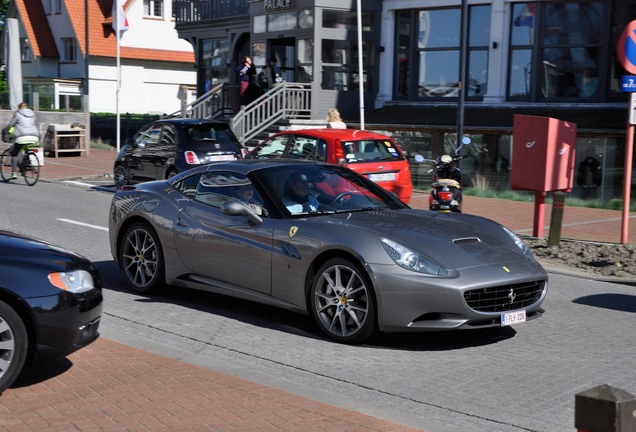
<point>120,22</point>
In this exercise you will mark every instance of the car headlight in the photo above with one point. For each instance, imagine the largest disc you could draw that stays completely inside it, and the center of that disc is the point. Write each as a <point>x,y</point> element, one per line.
<point>411,260</point>
<point>520,244</point>
<point>77,281</point>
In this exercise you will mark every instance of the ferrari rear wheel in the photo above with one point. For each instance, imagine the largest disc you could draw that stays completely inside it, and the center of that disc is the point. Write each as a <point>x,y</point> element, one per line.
<point>342,302</point>
<point>13,345</point>
<point>141,259</point>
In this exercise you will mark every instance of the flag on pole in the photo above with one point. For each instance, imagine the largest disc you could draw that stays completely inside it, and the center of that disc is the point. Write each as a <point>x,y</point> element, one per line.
<point>526,16</point>
<point>120,22</point>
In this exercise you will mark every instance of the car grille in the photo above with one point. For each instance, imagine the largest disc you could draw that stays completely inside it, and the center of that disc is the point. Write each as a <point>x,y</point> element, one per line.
<point>505,298</point>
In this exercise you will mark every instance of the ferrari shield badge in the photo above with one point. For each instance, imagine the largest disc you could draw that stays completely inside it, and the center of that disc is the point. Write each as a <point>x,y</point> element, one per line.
<point>292,231</point>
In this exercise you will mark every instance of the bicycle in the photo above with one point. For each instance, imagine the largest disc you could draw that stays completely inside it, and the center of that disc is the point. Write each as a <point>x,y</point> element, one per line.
<point>28,165</point>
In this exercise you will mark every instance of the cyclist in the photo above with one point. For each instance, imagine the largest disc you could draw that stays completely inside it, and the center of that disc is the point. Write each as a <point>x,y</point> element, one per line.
<point>24,125</point>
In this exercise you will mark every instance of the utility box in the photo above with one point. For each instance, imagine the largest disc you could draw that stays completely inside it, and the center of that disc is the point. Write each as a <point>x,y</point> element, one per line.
<point>543,153</point>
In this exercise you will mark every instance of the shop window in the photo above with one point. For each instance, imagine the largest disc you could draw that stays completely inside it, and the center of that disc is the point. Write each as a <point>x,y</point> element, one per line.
<point>305,19</point>
<point>259,24</point>
<point>305,56</point>
<point>555,50</point>
<point>340,65</point>
<point>281,21</point>
<point>427,66</point>
<point>214,59</point>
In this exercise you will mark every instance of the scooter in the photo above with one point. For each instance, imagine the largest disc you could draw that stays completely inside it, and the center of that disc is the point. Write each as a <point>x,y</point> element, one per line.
<point>446,192</point>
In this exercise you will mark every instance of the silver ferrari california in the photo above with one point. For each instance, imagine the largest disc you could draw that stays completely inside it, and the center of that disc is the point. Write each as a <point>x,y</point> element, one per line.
<point>323,240</point>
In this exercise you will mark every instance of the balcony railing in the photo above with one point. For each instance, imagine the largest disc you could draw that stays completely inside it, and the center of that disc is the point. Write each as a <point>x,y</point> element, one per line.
<point>212,105</point>
<point>187,11</point>
<point>284,101</point>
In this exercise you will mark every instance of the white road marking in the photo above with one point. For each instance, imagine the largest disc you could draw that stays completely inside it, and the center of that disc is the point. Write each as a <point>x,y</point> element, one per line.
<point>83,224</point>
<point>78,183</point>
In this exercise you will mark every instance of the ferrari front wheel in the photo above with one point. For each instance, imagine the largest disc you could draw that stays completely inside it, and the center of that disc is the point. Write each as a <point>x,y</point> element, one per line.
<point>342,302</point>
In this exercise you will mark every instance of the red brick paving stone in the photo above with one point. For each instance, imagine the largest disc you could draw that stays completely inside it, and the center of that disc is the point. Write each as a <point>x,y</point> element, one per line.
<point>113,387</point>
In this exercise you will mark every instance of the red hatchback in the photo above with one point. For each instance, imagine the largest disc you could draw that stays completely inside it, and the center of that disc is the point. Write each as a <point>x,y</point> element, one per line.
<point>371,154</point>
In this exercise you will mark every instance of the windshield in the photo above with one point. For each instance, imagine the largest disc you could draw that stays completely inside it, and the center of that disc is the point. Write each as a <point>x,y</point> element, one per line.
<point>370,151</point>
<point>318,189</point>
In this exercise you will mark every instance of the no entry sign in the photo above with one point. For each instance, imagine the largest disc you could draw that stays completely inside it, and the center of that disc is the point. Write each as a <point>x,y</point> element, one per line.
<point>626,48</point>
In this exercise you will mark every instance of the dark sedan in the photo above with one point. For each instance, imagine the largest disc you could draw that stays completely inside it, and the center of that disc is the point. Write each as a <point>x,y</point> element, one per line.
<point>50,303</point>
<point>323,240</point>
<point>164,148</point>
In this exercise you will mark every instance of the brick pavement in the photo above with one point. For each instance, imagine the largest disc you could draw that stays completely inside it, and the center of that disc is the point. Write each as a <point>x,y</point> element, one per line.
<point>108,386</point>
<point>113,387</point>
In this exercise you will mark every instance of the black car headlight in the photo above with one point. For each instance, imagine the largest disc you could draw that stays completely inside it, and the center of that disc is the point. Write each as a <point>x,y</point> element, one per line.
<point>520,244</point>
<point>411,260</point>
<point>77,281</point>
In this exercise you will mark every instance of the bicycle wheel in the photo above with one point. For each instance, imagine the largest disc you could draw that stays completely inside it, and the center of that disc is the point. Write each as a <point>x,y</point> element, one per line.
<point>30,168</point>
<point>5,165</point>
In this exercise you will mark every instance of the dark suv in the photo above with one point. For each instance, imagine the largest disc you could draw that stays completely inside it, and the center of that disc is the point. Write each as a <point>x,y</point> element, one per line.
<point>164,148</point>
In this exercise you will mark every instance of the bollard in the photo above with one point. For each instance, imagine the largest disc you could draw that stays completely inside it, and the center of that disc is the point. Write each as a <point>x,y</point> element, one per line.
<point>556,221</point>
<point>605,409</point>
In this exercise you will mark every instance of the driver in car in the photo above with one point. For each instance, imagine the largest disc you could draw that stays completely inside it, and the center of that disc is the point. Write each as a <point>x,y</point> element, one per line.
<point>297,198</point>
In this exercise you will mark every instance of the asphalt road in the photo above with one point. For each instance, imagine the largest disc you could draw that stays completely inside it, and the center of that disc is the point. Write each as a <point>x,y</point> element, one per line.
<point>522,378</point>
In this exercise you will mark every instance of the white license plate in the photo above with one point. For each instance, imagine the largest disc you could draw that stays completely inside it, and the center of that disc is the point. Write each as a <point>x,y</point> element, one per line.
<point>383,177</point>
<point>217,158</point>
<point>511,318</point>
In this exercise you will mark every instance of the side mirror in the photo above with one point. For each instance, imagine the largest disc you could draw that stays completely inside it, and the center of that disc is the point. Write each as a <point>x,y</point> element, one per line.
<point>419,158</point>
<point>235,208</point>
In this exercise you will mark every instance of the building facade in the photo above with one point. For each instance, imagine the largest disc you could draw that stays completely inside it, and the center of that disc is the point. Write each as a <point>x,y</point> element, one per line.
<point>553,58</point>
<point>67,52</point>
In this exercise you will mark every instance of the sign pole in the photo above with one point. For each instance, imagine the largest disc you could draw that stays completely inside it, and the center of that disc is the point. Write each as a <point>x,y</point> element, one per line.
<point>626,56</point>
<point>627,182</point>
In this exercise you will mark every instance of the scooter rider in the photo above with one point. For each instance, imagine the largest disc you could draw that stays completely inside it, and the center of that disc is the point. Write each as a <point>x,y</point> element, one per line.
<point>24,125</point>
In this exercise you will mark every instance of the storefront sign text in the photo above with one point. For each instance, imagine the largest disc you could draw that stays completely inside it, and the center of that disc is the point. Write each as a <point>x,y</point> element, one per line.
<point>271,5</point>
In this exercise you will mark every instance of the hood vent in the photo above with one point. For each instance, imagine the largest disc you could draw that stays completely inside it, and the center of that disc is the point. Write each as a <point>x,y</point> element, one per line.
<point>466,240</point>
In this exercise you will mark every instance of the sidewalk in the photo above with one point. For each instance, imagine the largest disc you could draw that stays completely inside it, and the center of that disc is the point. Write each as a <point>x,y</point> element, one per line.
<point>109,386</point>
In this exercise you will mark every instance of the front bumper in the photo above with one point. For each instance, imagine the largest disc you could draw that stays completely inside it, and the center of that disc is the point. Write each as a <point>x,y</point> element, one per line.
<point>66,322</point>
<point>408,301</point>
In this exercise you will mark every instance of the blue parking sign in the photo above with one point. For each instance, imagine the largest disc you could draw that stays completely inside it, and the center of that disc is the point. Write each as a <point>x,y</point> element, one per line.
<point>628,83</point>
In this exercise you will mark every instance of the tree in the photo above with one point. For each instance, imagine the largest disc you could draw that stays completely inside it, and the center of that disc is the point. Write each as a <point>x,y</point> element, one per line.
<point>4,8</point>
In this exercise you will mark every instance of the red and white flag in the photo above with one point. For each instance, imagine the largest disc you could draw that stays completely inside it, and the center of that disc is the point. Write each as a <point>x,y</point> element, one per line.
<point>120,22</point>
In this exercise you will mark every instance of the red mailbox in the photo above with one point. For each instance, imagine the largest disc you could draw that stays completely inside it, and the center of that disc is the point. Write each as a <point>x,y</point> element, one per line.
<point>543,154</point>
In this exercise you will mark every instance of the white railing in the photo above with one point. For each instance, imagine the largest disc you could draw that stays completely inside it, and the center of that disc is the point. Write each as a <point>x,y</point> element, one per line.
<point>285,101</point>
<point>210,105</point>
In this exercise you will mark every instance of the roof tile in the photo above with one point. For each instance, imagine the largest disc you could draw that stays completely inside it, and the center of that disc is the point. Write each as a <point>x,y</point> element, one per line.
<point>101,40</point>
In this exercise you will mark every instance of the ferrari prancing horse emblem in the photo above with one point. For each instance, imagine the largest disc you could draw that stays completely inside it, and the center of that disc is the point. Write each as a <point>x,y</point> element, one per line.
<point>292,231</point>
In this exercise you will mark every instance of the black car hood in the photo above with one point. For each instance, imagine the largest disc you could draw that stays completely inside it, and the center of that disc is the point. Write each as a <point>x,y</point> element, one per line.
<point>26,251</point>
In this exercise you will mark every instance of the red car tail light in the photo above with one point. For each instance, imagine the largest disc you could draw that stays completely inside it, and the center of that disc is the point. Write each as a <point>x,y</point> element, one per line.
<point>191,158</point>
